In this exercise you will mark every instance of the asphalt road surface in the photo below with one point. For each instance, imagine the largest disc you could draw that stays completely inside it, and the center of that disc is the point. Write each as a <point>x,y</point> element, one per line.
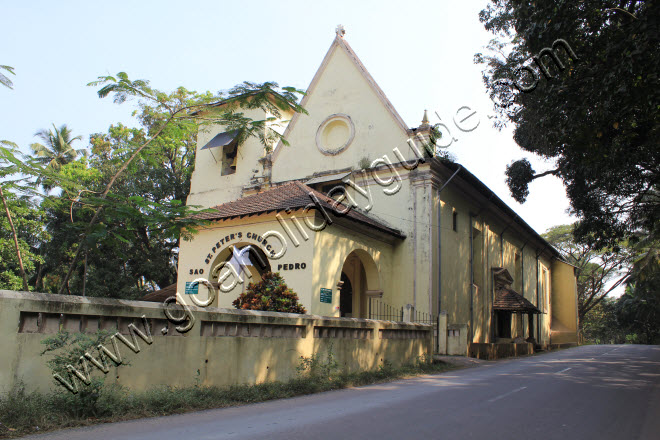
<point>590,392</point>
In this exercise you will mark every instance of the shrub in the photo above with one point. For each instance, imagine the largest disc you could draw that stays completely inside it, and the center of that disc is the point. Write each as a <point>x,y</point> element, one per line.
<point>270,294</point>
<point>68,349</point>
<point>316,367</point>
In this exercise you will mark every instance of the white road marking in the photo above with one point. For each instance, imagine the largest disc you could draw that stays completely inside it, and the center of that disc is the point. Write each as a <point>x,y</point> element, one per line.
<point>564,370</point>
<point>501,396</point>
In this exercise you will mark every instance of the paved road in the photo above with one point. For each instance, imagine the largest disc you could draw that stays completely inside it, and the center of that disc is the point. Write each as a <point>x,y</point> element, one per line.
<point>592,392</point>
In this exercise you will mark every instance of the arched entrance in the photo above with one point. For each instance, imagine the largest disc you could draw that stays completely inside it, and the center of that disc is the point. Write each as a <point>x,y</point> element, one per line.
<point>346,297</point>
<point>247,260</point>
<point>359,276</point>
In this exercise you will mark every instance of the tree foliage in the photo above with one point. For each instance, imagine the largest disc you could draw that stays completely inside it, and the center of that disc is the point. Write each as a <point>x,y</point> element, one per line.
<point>28,225</point>
<point>4,79</point>
<point>594,115</point>
<point>601,325</point>
<point>132,248</point>
<point>209,110</point>
<point>56,151</point>
<point>634,316</point>
<point>21,225</point>
<point>114,228</point>
<point>270,294</point>
<point>638,310</point>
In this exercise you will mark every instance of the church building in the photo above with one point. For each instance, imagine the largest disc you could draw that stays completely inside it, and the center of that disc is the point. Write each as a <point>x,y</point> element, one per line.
<point>361,222</point>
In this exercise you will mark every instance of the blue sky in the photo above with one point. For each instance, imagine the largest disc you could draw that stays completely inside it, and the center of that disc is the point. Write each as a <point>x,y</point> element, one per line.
<point>419,52</point>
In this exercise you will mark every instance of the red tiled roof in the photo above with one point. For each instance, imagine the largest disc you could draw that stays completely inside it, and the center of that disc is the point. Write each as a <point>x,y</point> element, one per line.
<point>512,301</point>
<point>293,195</point>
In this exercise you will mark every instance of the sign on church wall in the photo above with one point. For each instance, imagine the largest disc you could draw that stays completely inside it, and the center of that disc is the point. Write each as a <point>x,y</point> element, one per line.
<point>326,295</point>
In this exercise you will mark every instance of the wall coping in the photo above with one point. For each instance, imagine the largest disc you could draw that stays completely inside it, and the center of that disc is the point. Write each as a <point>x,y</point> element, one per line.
<point>113,302</point>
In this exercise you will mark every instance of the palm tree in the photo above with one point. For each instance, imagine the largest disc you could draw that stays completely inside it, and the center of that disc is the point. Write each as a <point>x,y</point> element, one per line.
<point>56,152</point>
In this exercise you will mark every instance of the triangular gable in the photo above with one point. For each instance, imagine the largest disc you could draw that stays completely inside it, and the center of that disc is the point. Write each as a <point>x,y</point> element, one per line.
<point>340,43</point>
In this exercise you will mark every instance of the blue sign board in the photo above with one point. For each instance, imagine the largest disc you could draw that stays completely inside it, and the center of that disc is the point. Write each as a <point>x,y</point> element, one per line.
<point>192,289</point>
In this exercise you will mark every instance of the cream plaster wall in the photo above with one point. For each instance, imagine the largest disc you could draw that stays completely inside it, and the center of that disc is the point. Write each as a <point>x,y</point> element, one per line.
<point>331,248</point>
<point>207,186</point>
<point>564,324</point>
<point>201,254</point>
<point>224,347</point>
<point>496,252</point>
<point>340,89</point>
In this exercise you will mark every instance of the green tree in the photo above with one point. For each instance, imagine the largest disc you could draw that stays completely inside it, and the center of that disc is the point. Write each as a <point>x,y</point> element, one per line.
<point>20,242</point>
<point>21,226</point>
<point>56,152</point>
<point>594,113</point>
<point>638,310</point>
<point>5,170</point>
<point>165,116</point>
<point>133,248</point>
<point>601,324</point>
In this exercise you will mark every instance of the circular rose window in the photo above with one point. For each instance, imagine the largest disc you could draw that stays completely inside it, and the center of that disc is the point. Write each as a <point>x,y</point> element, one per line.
<point>335,134</point>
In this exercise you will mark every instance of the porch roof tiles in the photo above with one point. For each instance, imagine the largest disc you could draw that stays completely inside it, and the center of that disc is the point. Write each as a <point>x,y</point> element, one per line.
<point>510,300</point>
<point>292,196</point>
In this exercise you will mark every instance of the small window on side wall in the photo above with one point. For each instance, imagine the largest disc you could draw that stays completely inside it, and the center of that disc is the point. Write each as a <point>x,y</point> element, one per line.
<point>454,221</point>
<point>229,158</point>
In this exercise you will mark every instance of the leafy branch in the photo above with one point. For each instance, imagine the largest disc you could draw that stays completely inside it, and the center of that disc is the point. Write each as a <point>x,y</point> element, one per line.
<point>247,96</point>
<point>4,80</point>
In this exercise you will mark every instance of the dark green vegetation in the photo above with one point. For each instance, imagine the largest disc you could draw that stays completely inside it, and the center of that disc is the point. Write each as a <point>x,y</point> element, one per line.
<point>271,294</point>
<point>107,220</point>
<point>595,118</point>
<point>22,412</point>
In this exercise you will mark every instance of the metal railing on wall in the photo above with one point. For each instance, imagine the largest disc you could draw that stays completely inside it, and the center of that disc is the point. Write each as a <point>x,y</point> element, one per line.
<point>422,317</point>
<point>379,309</point>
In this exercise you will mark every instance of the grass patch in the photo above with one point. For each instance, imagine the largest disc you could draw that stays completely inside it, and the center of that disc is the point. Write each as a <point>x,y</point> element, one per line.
<point>23,412</point>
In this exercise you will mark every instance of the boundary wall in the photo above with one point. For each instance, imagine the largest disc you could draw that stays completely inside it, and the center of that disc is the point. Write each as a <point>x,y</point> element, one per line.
<point>223,347</point>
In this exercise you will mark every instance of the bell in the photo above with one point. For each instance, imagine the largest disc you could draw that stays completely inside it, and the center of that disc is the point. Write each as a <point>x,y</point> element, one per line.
<point>233,163</point>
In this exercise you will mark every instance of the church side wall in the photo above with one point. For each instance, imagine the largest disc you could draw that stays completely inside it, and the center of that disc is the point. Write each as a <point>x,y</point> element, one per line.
<point>564,320</point>
<point>494,245</point>
<point>455,248</point>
